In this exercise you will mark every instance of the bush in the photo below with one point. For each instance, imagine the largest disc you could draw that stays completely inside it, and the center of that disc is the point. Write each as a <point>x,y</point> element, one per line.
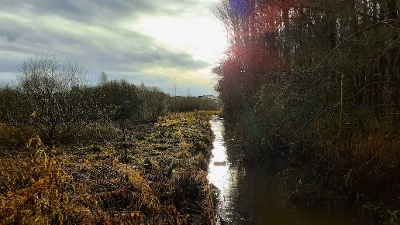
<point>45,89</point>
<point>187,104</point>
<point>154,103</point>
<point>12,137</point>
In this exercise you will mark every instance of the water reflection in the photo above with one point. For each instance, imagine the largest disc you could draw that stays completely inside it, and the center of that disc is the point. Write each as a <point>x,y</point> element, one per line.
<point>251,195</point>
<point>221,175</point>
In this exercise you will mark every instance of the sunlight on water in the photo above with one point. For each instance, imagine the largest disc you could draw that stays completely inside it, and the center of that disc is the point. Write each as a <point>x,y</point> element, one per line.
<point>218,167</point>
<point>221,174</point>
<point>251,196</point>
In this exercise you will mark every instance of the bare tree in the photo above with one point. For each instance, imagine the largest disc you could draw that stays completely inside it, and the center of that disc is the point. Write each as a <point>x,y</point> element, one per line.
<point>50,90</point>
<point>103,78</point>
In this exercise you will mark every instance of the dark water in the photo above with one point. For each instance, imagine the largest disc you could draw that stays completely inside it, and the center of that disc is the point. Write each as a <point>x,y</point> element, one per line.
<point>251,195</point>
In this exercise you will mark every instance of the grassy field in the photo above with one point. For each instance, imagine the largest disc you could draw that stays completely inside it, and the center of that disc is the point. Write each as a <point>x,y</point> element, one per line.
<point>158,175</point>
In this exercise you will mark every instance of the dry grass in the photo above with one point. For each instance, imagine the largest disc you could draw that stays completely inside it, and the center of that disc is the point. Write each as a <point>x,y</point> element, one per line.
<point>362,162</point>
<point>157,177</point>
<point>13,137</point>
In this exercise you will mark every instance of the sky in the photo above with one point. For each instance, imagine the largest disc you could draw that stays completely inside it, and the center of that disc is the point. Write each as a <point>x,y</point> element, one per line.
<point>162,43</point>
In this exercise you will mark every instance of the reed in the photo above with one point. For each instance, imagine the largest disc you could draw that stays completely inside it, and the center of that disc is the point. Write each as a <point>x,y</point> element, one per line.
<point>362,162</point>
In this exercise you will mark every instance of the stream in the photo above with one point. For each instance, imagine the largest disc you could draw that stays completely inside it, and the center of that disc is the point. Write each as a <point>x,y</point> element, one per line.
<point>251,195</point>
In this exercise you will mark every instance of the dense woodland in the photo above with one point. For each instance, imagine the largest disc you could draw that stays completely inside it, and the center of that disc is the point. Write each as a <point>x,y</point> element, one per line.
<point>316,83</point>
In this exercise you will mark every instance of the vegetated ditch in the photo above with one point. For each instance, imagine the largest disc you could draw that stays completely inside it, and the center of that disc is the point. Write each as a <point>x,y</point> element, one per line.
<point>261,194</point>
<point>355,172</point>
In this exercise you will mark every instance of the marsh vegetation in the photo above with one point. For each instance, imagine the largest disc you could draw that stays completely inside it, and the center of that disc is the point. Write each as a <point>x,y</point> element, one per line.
<point>113,153</point>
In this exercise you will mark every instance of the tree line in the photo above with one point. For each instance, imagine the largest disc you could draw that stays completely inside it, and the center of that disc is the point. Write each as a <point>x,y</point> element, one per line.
<point>314,86</point>
<point>294,66</point>
<point>54,98</point>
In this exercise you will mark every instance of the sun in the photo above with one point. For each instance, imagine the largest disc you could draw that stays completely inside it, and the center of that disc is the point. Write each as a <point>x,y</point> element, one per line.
<point>202,37</point>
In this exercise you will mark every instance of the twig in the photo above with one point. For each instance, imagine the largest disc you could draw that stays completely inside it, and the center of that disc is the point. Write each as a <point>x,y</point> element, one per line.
<point>346,39</point>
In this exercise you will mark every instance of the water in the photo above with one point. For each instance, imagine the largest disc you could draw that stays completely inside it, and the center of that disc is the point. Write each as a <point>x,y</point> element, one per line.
<point>250,196</point>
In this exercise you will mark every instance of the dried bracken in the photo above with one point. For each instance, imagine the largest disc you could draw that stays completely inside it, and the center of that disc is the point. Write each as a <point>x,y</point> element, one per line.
<point>158,176</point>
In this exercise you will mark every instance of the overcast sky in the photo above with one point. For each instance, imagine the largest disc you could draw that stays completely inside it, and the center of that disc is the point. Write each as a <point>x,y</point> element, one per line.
<point>149,41</point>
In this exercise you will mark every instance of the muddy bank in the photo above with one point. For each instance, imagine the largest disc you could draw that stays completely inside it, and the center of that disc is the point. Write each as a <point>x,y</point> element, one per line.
<point>157,175</point>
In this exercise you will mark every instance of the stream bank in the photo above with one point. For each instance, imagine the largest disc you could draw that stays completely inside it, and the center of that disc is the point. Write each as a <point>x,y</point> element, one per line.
<point>252,195</point>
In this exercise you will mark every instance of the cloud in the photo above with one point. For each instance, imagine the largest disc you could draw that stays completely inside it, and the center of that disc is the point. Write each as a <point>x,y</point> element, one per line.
<point>93,33</point>
<point>11,37</point>
<point>92,10</point>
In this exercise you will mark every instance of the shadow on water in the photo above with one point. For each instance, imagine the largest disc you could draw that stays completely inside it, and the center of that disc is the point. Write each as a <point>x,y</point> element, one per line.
<point>251,195</point>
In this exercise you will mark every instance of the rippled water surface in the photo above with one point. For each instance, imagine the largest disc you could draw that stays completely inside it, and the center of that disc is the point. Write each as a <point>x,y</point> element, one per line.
<point>250,196</point>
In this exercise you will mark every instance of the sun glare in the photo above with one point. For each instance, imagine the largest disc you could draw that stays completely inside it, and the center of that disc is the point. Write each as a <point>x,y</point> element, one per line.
<point>204,38</point>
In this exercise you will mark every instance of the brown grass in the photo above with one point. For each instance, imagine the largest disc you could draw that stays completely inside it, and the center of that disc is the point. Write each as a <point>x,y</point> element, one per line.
<point>157,177</point>
<point>13,137</point>
<point>362,162</point>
